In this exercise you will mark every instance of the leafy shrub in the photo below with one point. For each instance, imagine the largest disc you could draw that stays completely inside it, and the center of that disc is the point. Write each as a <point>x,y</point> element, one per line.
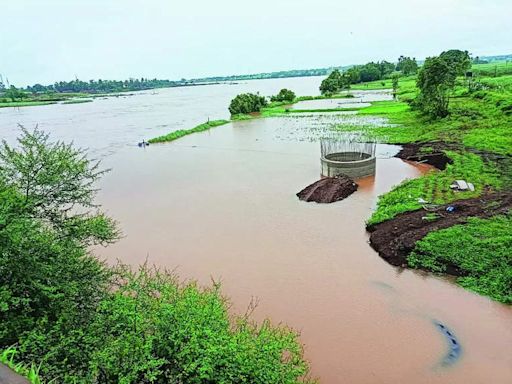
<point>284,95</point>
<point>89,323</point>
<point>247,103</point>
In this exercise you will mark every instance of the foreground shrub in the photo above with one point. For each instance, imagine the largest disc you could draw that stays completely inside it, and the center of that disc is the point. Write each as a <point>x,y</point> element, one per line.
<point>84,322</point>
<point>154,328</point>
<point>247,103</point>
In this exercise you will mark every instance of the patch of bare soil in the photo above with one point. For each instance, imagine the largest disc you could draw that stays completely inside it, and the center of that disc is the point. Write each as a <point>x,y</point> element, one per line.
<point>431,153</point>
<point>395,239</point>
<point>328,190</point>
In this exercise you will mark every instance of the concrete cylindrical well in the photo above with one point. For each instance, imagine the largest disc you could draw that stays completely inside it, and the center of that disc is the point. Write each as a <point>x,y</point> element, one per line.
<point>353,164</point>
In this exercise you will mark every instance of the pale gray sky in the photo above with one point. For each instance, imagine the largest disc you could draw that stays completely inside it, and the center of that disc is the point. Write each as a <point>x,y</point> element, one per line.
<point>49,40</point>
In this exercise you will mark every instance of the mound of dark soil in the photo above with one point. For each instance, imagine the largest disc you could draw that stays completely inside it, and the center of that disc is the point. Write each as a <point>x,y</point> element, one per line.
<point>395,239</point>
<point>328,190</point>
<point>435,155</point>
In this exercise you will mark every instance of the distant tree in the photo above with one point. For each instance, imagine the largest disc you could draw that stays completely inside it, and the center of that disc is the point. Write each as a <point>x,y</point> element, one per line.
<point>284,95</point>
<point>370,72</point>
<point>458,60</point>
<point>435,81</point>
<point>478,60</point>
<point>14,93</point>
<point>334,83</point>
<point>406,65</point>
<point>353,74</point>
<point>395,85</point>
<point>386,68</point>
<point>247,103</point>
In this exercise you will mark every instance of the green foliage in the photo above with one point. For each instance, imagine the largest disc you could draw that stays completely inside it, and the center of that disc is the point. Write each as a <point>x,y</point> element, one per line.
<point>284,95</point>
<point>155,329</point>
<point>395,80</point>
<point>480,249</point>
<point>369,72</point>
<point>183,132</point>
<point>31,373</point>
<point>458,61</point>
<point>334,83</point>
<point>435,80</point>
<point>14,94</point>
<point>247,103</point>
<point>407,66</point>
<point>90,323</point>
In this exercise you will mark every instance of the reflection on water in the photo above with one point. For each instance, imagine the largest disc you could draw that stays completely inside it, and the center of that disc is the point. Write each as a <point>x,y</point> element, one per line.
<point>222,204</point>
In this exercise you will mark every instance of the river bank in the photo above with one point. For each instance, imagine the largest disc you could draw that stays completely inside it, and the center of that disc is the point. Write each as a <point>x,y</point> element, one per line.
<point>221,204</point>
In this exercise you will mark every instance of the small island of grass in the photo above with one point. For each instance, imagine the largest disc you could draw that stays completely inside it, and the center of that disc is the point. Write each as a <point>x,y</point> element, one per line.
<point>183,132</point>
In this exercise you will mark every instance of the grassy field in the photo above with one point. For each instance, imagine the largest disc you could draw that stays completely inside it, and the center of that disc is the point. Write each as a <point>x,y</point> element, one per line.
<point>183,132</point>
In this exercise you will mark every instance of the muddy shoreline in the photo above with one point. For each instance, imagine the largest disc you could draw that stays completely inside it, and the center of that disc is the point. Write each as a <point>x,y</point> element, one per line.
<point>395,239</point>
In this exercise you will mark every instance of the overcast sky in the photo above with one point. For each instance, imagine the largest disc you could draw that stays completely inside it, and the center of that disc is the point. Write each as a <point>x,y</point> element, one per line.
<point>49,40</point>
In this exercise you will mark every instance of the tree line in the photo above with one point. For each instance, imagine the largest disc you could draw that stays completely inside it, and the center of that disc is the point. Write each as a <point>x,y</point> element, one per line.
<point>435,78</point>
<point>337,81</point>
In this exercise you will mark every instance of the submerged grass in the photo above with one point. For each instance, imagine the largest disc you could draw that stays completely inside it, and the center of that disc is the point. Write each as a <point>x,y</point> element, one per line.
<point>183,132</point>
<point>77,101</point>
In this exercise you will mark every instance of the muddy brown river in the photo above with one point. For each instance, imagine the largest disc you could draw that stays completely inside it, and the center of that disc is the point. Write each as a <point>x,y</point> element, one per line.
<point>221,205</point>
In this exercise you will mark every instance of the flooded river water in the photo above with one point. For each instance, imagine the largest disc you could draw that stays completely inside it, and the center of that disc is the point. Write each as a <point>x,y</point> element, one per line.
<point>222,205</point>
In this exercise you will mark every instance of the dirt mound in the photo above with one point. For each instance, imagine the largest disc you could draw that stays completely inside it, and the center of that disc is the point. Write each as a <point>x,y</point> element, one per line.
<point>395,239</point>
<point>328,190</point>
<point>431,153</point>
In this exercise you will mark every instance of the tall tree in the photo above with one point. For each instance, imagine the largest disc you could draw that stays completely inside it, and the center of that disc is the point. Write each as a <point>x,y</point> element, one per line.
<point>406,65</point>
<point>334,83</point>
<point>435,81</point>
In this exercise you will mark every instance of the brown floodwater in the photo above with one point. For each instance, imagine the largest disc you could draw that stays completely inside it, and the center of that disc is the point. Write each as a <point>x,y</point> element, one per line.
<point>222,205</point>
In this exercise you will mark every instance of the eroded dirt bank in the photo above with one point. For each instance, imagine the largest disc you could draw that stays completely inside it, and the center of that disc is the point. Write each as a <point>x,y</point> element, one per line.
<point>430,153</point>
<point>395,239</point>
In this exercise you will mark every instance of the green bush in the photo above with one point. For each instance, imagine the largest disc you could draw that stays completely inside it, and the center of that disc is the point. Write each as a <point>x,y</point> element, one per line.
<point>247,103</point>
<point>284,95</point>
<point>85,322</point>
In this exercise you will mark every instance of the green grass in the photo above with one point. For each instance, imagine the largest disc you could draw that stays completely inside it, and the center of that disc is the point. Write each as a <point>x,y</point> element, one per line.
<point>404,82</point>
<point>77,101</point>
<point>482,249</point>
<point>489,70</point>
<point>183,132</point>
<point>25,103</point>
<point>30,373</point>
<point>434,187</point>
